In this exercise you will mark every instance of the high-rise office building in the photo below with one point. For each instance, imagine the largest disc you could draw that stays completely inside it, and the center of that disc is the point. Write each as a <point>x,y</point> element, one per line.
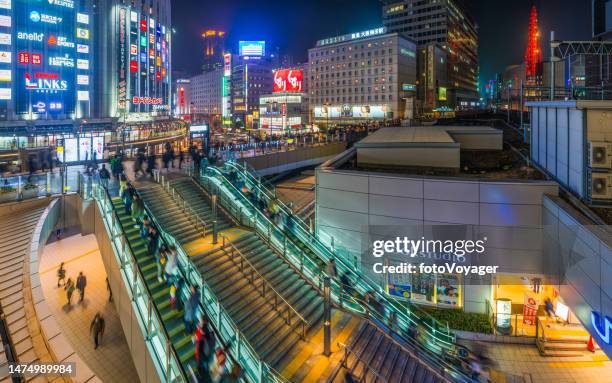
<point>448,23</point>
<point>214,48</point>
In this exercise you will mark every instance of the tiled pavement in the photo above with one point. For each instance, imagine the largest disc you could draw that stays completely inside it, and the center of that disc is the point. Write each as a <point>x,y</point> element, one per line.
<point>112,361</point>
<point>525,360</point>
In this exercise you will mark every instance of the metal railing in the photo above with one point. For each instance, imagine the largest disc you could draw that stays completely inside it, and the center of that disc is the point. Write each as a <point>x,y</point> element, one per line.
<point>366,365</point>
<point>290,312</point>
<point>312,262</point>
<point>192,215</point>
<point>256,369</point>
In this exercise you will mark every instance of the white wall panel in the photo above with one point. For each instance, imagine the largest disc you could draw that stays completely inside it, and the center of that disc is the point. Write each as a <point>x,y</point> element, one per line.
<point>451,191</point>
<point>562,145</point>
<point>341,181</point>
<point>514,193</point>
<point>396,206</point>
<point>501,214</point>
<point>396,186</point>
<point>551,140</point>
<point>451,211</point>
<point>343,200</point>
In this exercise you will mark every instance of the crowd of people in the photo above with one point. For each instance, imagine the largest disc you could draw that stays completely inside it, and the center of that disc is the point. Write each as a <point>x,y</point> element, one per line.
<point>210,357</point>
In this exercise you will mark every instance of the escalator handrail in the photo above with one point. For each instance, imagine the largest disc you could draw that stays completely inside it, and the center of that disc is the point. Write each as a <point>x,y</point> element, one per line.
<point>155,310</point>
<point>320,245</point>
<point>431,331</point>
<point>227,242</point>
<point>235,328</point>
<point>374,317</point>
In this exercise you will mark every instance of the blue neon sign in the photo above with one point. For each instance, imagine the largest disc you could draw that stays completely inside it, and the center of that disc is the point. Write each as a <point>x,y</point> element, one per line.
<point>598,322</point>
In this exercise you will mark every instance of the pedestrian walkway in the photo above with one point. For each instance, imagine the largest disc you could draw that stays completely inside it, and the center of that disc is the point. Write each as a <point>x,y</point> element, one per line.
<point>525,361</point>
<point>112,361</point>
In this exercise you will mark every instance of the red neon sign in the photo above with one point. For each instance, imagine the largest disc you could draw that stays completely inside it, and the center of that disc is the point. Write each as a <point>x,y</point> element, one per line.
<point>288,80</point>
<point>36,59</point>
<point>133,66</point>
<point>143,25</point>
<point>24,58</point>
<point>51,76</point>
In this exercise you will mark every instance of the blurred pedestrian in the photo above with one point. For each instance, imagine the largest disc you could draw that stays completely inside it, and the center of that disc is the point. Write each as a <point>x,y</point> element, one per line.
<point>81,283</point>
<point>69,287</point>
<point>96,328</point>
<point>110,291</point>
<point>104,176</point>
<point>190,309</point>
<point>61,275</point>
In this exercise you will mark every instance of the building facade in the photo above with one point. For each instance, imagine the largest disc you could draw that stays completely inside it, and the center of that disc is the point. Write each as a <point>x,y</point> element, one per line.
<point>134,59</point>
<point>182,98</point>
<point>250,79</point>
<point>602,19</point>
<point>207,96</point>
<point>361,77</point>
<point>432,84</point>
<point>46,61</point>
<point>448,23</point>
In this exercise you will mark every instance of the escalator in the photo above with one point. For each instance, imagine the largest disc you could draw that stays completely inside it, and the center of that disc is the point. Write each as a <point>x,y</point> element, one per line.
<point>172,319</point>
<point>437,344</point>
<point>241,271</point>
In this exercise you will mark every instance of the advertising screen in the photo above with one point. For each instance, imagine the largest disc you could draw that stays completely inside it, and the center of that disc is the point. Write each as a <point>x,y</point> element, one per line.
<point>288,80</point>
<point>252,48</point>
<point>49,57</point>
<point>71,149</point>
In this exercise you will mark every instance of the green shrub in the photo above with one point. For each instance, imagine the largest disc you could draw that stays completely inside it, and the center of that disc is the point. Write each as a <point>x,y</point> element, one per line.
<point>462,321</point>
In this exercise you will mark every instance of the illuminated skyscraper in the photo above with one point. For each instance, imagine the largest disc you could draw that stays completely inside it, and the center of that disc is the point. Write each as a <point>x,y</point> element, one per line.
<point>133,53</point>
<point>214,47</point>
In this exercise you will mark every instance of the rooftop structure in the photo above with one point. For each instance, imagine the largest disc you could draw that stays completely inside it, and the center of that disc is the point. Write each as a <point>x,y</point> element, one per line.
<point>432,146</point>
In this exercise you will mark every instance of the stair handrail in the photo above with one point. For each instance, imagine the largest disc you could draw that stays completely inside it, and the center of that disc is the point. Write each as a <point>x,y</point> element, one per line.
<point>226,242</point>
<point>367,368</point>
<point>312,240</point>
<point>380,322</point>
<point>105,195</point>
<point>182,203</point>
<point>263,367</point>
<point>432,327</point>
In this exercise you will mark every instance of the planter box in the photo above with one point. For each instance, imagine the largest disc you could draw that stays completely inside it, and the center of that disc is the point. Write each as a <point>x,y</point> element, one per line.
<point>467,335</point>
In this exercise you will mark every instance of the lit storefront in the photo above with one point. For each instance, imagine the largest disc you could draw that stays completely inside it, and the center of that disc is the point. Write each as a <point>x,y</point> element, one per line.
<point>281,113</point>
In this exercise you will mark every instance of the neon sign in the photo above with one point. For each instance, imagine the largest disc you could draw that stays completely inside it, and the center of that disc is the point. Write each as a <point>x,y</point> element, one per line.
<point>597,321</point>
<point>45,84</point>
<point>30,36</point>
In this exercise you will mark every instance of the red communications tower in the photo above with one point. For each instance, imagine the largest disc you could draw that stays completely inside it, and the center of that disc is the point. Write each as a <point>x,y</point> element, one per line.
<point>533,54</point>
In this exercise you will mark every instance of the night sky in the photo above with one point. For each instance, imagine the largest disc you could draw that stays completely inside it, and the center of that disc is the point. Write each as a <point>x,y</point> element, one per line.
<point>294,26</point>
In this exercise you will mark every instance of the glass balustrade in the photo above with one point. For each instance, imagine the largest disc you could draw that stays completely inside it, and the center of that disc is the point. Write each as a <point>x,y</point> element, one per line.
<point>294,240</point>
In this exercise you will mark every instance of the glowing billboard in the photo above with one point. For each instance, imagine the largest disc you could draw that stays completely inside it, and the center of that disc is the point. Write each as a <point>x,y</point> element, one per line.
<point>252,48</point>
<point>288,80</point>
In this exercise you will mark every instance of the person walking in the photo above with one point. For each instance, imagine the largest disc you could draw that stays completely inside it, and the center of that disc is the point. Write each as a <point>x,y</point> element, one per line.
<point>81,282</point>
<point>332,271</point>
<point>110,291</point>
<point>204,341</point>
<point>137,210</point>
<point>170,268</point>
<point>190,309</point>
<point>69,287</point>
<point>96,329</point>
<point>61,275</point>
<point>104,176</point>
